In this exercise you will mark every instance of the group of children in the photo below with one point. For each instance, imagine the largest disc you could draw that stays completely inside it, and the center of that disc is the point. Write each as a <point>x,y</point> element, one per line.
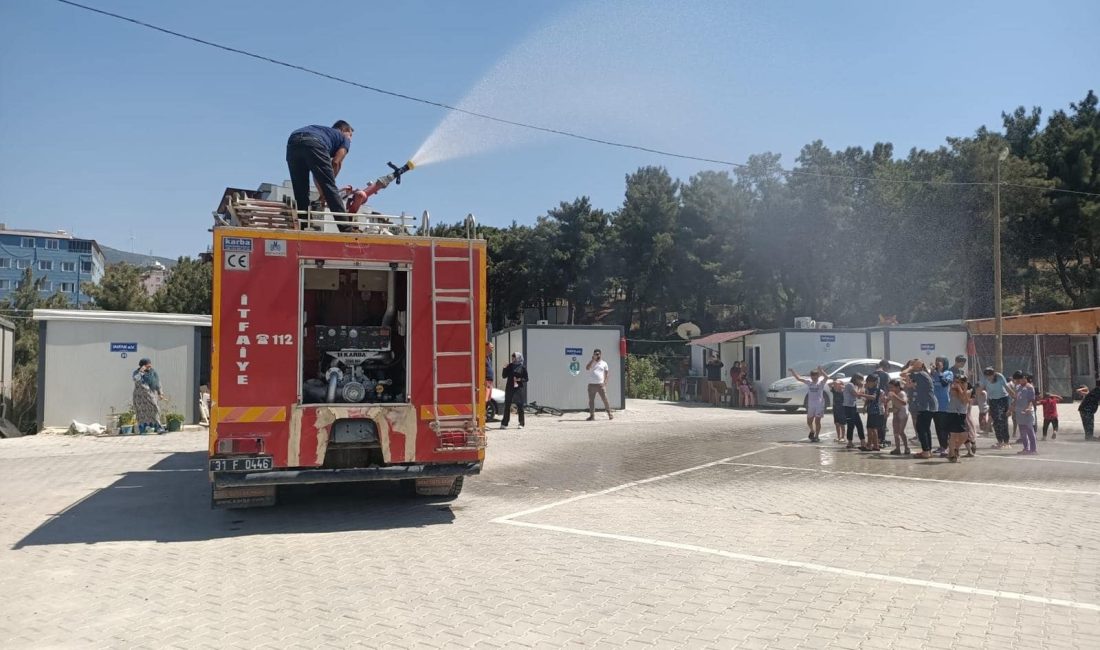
<point>941,396</point>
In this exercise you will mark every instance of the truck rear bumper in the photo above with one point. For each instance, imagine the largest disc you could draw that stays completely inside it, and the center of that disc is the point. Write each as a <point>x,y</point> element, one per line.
<point>308,476</point>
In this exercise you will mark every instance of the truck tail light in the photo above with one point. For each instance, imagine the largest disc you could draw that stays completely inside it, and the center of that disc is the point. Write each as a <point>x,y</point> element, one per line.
<point>240,445</point>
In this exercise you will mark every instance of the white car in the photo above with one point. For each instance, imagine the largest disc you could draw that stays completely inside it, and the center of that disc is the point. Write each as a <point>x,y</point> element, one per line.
<point>495,405</point>
<point>791,394</point>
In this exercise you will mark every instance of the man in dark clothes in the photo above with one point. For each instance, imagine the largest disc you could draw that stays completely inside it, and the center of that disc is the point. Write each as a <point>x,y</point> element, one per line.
<point>319,150</point>
<point>715,386</point>
<point>1090,402</point>
<point>882,374</point>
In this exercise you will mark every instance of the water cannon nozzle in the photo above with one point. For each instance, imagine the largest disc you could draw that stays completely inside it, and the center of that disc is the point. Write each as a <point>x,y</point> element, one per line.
<point>398,171</point>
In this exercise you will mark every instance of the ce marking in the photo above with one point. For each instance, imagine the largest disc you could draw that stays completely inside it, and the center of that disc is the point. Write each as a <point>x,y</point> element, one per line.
<point>237,261</point>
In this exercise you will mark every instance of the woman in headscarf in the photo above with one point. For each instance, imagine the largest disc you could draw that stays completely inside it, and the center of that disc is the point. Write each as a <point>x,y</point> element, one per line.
<point>147,396</point>
<point>515,390</point>
<point>924,403</point>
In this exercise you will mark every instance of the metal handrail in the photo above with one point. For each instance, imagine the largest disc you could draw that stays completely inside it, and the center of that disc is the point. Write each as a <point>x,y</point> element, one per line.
<point>249,212</point>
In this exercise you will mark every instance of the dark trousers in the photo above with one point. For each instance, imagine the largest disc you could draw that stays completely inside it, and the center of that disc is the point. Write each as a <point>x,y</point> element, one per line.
<point>510,398</point>
<point>998,412</point>
<point>306,154</point>
<point>942,420</point>
<point>1047,423</point>
<point>855,423</point>
<point>923,426</point>
<point>1087,424</point>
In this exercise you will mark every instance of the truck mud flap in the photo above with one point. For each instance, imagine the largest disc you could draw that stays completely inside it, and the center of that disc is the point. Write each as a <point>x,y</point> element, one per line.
<point>257,496</point>
<point>311,476</point>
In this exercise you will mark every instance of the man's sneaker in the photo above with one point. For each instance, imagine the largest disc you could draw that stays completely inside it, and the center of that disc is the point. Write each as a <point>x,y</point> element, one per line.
<point>590,418</point>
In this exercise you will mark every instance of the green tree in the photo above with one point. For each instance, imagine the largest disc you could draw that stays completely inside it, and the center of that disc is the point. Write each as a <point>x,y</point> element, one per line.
<point>27,297</point>
<point>1069,147</point>
<point>645,235</point>
<point>578,254</point>
<point>188,288</point>
<point>643,377</point>
<point>764,195</point>
<point>120,289</point>
<point>507,273</point>
<point>709,238</point>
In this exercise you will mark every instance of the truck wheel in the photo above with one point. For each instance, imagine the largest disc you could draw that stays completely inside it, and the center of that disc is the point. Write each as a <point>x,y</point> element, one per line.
<point>490,410</point>
<point>444,488</point>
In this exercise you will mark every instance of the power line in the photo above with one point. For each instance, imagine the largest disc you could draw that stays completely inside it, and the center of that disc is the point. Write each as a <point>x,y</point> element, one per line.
<point>526,125</point>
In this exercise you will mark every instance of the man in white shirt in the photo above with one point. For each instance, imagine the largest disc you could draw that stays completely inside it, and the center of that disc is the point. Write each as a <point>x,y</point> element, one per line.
<point>597,384</point>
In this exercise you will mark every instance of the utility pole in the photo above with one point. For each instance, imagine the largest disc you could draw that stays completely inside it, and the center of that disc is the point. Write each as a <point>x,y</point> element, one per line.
<point>997,306</point>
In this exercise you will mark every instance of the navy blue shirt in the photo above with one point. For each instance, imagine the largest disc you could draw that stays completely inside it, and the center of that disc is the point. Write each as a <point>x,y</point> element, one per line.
<point>333,139</point>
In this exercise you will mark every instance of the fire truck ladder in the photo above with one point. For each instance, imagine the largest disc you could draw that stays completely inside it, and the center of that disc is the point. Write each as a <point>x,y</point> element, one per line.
<point>455,431</point>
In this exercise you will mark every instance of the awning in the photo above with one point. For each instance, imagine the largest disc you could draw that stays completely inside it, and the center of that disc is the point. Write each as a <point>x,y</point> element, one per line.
<point>1073,322</point>
<point>720,337</point>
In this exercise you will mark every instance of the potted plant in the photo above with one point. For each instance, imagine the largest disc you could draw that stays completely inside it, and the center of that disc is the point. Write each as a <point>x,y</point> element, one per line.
<point>126,422</point>
<point>174,420</point>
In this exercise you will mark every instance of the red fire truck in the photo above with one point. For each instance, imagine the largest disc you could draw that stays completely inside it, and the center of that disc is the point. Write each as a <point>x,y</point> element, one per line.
<point>343,353</point>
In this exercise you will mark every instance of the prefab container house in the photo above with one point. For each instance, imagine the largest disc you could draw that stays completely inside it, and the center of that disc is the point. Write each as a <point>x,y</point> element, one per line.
<point>556,356</point>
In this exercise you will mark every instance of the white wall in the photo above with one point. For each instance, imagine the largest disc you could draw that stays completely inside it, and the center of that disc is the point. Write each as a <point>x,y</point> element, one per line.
<point>878,345</point>
<point>820,346</point>
<point>926,345</point>
<point>698,360</point>
<point>84,379</point>
<point>504,344</point>
<point>769,359</point>
<point>553,383</point>
<point>730,352</point>
<point>7,361</point>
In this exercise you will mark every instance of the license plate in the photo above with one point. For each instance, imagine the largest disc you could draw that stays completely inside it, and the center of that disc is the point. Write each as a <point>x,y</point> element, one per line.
<point>249,464</point>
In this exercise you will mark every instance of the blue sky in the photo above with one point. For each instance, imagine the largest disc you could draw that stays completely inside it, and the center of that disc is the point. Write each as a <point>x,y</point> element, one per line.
<point>128,136</point>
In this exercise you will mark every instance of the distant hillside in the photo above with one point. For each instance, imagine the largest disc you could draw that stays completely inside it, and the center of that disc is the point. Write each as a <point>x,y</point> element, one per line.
<point>113,256</point>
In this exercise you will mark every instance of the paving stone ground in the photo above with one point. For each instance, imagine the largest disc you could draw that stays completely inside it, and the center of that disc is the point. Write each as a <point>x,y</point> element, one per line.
<point>671,526</point>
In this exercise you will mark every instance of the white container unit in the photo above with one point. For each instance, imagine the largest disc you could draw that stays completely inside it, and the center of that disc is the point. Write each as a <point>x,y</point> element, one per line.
<point>770,353</point>
<point>86,359</point>
<point>556,356</point>
<point>905,344</point>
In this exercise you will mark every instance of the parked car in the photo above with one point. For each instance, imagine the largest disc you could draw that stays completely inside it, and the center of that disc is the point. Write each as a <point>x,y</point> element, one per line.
<point>791,394</point>
<point>495,405</point>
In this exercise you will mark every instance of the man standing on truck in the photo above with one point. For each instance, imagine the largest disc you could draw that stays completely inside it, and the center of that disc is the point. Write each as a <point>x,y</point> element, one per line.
<point>319,150</point>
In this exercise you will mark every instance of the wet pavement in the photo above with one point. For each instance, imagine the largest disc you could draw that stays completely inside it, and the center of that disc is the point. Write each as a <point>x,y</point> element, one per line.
<point>671,526</point>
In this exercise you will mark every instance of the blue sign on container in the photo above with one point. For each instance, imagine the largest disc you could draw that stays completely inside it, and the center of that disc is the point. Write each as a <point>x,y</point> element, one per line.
<point>123,347</point>
<point>927,347</point>
<point>574,352</point>
<point>828,338</point>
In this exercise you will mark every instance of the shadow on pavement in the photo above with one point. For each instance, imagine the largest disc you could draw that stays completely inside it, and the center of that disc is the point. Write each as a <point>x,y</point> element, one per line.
<point>170,502</point>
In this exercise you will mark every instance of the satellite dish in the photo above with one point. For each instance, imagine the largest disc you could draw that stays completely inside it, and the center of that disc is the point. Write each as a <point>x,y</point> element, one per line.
<point>688,331</point>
